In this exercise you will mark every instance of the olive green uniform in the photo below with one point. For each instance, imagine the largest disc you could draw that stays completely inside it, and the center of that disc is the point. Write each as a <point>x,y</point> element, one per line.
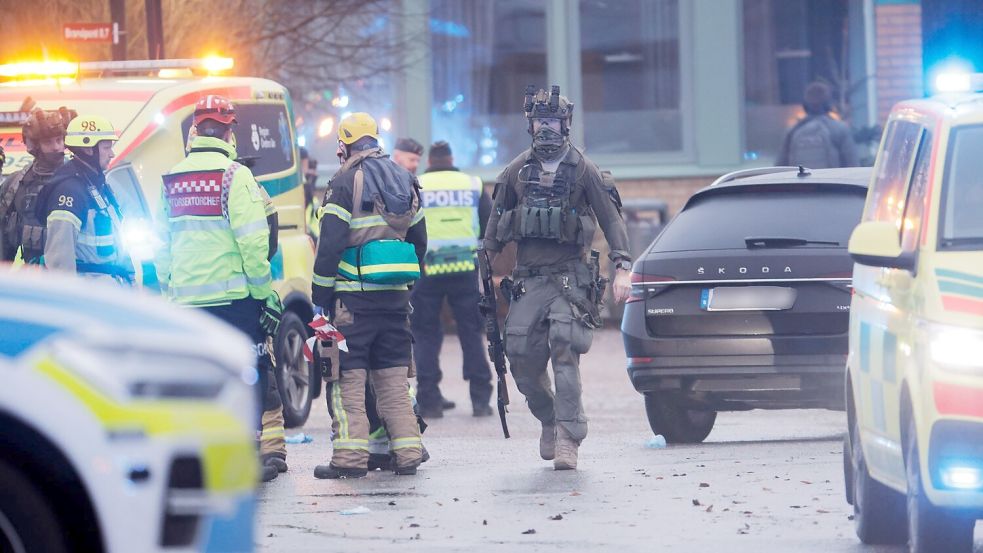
<point>552,216</point>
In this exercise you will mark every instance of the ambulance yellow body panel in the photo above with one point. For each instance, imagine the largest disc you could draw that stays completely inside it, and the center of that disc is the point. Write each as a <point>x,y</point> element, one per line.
<point>153,117</point>
<point>915,366</point>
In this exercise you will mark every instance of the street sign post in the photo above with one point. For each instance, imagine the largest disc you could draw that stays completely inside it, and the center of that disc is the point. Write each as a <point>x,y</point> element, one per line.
<point>91,32</point>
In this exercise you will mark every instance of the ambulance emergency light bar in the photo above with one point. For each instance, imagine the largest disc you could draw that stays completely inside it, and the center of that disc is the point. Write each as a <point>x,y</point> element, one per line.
<point>52,69</point>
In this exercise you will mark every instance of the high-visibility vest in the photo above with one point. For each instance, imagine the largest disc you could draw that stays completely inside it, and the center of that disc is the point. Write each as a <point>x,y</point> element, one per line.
<point>213,228</point>
<point>450,199</point>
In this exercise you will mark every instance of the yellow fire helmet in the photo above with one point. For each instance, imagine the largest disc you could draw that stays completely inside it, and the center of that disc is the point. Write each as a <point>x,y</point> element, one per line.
<point>89,130</point>
<point>356,126</point>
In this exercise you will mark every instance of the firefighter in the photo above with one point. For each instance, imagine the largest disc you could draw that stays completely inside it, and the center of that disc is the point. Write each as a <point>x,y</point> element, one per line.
<point>44,135</point>
<point>372,239</point>
<point>82,217</point>
<point>215,252</point>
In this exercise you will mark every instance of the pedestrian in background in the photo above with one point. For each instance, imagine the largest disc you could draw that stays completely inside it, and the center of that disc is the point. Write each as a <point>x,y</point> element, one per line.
<point>818,140</point>
<point>407,154</point>
<point>456,207</point>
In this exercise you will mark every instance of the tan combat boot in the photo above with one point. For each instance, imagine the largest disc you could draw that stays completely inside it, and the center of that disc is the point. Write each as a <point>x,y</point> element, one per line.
<point>547,442</point>
<point>566,451</point>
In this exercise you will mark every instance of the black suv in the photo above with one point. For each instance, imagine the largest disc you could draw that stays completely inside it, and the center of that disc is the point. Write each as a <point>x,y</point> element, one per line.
<point>743,301</point>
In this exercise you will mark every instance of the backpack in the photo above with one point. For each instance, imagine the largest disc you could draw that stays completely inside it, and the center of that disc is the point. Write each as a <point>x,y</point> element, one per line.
<point>811,144</point>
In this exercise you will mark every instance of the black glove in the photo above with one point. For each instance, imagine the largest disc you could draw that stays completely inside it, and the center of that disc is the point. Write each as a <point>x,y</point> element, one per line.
<point>324,298</point>
<point>270,315</point>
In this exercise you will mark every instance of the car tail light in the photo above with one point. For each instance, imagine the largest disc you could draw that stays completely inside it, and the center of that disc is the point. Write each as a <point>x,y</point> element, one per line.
<point>638,283</point>
<point>640,360</point>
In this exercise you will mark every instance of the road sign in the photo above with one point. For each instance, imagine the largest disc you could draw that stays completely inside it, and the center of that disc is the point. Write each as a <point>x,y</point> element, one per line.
<point>91,32</point>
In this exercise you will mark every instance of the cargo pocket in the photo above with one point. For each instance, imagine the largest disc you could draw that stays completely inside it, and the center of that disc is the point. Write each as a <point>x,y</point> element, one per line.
<point>566,328</point>
<point>516,340</point>
<point>328,360</point>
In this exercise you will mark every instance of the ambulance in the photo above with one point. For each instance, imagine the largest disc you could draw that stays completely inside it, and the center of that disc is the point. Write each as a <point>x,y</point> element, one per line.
<point>150,104</point>
<point>123,427</point>
<point>913,453</point>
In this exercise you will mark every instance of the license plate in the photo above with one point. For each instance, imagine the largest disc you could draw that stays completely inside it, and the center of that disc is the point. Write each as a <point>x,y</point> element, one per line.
<point>747,298</point>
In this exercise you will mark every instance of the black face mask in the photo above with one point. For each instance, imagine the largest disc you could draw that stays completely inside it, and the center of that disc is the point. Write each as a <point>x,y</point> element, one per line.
<point>547,143</point>
<point>47,163</point>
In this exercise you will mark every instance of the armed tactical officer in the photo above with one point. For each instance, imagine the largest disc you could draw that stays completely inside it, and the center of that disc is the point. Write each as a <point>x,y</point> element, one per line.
<point>372,239</point>
<point>44,136</point>
<point>549,200</point>
<point>215,252</point>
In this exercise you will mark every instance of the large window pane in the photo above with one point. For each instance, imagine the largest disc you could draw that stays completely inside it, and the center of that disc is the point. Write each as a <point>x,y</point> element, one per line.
<point>630,73</point>
<point>484,55</point>
<point>787,45</point>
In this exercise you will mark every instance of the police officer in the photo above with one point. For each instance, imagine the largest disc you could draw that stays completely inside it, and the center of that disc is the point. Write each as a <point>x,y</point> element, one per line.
<point>455,203</point>
<point>81,213</point>
<point>549,200</point>
<point>372,238</point>
<point>215,252</point>
<point>44,135</point>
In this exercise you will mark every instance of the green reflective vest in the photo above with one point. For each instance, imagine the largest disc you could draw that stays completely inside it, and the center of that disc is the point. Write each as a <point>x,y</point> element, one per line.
<point>213,229</point>
<point>450,199</point>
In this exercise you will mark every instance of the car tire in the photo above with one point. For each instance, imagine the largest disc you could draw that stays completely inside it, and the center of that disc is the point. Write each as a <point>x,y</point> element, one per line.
<point>931,529</point>
<point>676,423</point>
<point>295,377</point>
<point>27,521</point>
<point>878,511</point>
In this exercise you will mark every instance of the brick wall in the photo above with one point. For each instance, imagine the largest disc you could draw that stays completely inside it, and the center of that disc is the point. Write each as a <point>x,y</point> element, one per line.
<point>899,54</point>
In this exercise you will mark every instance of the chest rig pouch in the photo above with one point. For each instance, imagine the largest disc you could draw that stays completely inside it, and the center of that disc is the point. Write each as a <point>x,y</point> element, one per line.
<point>19,206</point>
<point>549,206</point>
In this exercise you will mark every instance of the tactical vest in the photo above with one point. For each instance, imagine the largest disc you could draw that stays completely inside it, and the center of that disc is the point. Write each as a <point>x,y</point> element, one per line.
<point>19,208</point>
<point>377,252</point>
<point>548,206</point>
<point>450,199</point>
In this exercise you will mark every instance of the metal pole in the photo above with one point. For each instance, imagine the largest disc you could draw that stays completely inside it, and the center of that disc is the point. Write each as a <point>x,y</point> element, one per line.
<point>117,14</point>
<point>155,30</point>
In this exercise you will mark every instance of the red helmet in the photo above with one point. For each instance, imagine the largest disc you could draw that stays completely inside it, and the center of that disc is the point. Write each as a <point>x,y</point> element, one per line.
<point>216,108</point>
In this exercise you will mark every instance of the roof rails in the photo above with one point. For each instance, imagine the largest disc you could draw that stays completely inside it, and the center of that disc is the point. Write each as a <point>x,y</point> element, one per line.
<point>756,171</point>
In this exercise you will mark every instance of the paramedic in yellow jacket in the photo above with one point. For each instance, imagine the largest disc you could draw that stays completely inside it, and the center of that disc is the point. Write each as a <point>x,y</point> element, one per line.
<point>215,250</point>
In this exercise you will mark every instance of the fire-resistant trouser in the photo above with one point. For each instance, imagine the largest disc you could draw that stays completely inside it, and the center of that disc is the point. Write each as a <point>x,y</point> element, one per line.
<point>379,350</point>
<point>541,328</point>
<point>244,314</point>
<point>461,291</point>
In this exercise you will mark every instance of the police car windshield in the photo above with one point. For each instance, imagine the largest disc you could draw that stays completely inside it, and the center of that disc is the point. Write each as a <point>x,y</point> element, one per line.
<point>962,198</point>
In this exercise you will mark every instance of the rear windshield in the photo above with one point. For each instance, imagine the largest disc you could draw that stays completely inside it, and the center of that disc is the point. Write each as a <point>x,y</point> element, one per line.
<point>724,221</point>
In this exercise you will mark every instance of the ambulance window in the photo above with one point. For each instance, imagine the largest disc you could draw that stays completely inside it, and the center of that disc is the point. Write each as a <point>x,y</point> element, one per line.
<point>915,205</point>
<point>893,173</point>
<point>962,193</point>
<point>126,189</point>
<point>264,141</point>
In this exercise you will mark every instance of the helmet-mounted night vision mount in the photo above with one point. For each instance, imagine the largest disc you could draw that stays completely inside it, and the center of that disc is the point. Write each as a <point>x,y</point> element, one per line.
<point>543,105</point>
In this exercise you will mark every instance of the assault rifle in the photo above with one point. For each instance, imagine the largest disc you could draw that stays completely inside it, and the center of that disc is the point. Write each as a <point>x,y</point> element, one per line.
<point>488,305</point>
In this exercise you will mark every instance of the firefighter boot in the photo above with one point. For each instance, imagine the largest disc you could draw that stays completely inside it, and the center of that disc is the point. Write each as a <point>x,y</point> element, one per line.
<point>547,442</point>
<point>396,410</point>
<point>566,450</point>
<point>350,457</point>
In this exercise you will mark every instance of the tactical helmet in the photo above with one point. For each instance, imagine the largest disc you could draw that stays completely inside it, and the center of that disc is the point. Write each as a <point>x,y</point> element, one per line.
<point>355,126</point>
<point>88,131</point>
<point>540,105</point>
<point>41,125</point>
<point>215,107</point>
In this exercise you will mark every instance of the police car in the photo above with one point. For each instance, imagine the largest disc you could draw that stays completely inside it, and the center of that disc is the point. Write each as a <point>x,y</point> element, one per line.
<point>913,456</point>
<point>124,427</point>
<point>151,104</point>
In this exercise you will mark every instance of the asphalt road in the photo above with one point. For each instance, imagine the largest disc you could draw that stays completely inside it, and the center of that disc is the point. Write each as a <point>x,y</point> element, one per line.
<point>764,481</point>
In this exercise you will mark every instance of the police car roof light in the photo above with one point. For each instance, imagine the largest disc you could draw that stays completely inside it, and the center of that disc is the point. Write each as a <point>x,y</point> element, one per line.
<point>957,81</point>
